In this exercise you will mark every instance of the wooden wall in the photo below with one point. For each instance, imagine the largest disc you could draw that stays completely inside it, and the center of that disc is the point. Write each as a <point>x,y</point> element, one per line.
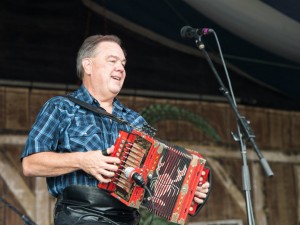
<point>275,200</point>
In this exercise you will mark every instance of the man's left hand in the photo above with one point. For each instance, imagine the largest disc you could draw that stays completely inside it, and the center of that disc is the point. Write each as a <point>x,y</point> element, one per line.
<point>201,191</point>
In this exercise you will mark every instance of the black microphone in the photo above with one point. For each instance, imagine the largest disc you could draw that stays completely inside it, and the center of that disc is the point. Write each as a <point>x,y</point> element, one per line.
<point>189,32</point>
<point>133,174</point>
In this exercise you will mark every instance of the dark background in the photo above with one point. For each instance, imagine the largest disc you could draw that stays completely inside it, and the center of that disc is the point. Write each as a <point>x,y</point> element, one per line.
<point>39,42</point>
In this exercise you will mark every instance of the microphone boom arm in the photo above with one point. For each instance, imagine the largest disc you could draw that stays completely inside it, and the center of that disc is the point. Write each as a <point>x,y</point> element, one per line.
<point>245,133</point>
<point>246,130</point>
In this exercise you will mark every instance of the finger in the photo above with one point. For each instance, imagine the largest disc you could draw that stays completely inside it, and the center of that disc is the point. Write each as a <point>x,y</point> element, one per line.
<point>112,160</point>
<point>108,151</point>
<point>199,194</point>
<point>102,179</point>
<point>111,149</point>
<point>111,167</point>
<point>205,185</point>
<point>106,173</point>
<point>198,200</point>
<point>105,152</point>
<point>201,189</point>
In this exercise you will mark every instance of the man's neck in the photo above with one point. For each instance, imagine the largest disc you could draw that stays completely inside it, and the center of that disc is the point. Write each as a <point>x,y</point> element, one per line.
<point>106,102</point>
<point>107,106</point>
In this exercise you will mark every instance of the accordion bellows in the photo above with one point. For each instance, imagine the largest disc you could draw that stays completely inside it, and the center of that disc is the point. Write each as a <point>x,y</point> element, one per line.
<point>171,174</point>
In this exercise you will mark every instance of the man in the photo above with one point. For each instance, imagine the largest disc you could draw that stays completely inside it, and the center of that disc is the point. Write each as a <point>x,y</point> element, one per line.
<point>66,142</point>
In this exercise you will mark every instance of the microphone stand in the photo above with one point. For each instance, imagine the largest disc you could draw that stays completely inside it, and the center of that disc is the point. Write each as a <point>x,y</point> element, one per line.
<point>25,218</point>
<point>243,135</point>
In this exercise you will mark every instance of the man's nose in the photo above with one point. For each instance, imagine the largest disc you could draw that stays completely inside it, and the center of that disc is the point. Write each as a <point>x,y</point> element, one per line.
<point>120,66</point>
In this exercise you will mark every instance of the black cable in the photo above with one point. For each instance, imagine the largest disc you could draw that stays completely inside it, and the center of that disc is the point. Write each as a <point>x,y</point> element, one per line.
<point>25,218</point>
<point>138,179</point>
<point>153,207</point>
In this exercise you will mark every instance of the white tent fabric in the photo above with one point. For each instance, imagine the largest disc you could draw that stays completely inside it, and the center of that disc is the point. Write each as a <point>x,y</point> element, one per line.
<point>255,22</point>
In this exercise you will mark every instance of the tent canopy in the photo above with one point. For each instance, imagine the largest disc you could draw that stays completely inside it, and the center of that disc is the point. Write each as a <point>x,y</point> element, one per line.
<point>259,40</point>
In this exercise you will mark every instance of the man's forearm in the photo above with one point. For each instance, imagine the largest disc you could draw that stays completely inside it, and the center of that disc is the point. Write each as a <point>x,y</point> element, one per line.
<point>50,164</point>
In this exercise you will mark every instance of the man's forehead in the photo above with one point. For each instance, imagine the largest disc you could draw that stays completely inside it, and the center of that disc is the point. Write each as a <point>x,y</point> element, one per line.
<point>110,49</point>
<point>110,45</point>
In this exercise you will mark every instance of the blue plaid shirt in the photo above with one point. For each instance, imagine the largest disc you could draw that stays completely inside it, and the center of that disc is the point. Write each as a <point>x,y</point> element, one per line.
<point>63,126</point>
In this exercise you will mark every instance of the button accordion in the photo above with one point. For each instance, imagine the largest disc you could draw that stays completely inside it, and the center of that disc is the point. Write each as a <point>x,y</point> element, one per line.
<point>171,175</point>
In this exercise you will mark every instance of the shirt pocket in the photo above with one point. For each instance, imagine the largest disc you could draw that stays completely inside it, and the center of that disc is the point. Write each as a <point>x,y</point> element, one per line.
<point>83,137</point>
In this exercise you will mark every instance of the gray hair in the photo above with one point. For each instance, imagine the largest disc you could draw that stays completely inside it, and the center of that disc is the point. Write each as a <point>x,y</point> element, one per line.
<point>88,49</point>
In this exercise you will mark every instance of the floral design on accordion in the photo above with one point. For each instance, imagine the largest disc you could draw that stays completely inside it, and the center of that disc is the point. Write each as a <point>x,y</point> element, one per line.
<point>164,183</point>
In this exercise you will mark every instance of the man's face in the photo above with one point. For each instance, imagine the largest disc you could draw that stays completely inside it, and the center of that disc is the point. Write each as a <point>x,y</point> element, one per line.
<point>107,69</point>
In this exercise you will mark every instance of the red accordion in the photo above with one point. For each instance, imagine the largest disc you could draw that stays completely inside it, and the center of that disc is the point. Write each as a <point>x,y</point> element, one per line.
<point>171,174</point>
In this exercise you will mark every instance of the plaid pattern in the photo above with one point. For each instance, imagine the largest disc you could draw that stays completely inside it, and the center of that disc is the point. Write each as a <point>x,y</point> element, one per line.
<point>63,126</point>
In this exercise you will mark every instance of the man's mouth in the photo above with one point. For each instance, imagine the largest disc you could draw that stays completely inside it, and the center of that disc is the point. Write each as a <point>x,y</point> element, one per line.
<point>116,78</point>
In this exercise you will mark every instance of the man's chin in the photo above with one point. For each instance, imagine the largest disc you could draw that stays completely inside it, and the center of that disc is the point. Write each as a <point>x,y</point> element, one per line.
<point>115,91</point>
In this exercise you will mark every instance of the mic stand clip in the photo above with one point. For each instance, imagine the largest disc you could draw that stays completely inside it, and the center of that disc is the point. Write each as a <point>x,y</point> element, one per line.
<point>199,43</point>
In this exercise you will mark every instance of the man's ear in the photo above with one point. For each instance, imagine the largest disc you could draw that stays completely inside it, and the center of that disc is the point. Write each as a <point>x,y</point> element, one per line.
<point>87,65</point>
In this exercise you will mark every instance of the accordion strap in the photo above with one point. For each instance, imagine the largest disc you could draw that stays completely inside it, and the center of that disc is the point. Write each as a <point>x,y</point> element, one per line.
<point>146,127</point>
<point>97,110</point>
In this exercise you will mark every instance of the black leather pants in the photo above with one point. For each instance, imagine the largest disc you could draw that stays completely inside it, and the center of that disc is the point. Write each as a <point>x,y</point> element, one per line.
<point>80,205</point>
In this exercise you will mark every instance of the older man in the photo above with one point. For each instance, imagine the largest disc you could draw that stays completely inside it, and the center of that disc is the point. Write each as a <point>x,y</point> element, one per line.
<point>66,142</point>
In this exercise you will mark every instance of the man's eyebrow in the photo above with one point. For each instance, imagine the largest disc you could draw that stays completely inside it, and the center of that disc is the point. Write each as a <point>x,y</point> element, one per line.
<point>116,57</point>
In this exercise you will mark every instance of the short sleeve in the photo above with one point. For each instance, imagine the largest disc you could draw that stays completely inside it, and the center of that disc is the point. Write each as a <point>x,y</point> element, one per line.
<point>44,133</point>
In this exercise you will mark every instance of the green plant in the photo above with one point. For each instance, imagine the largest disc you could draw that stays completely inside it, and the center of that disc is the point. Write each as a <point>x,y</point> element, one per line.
<point>158,112</point>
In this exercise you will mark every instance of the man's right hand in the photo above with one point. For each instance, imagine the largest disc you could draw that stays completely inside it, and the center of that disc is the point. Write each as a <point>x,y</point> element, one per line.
<point>100,166</point>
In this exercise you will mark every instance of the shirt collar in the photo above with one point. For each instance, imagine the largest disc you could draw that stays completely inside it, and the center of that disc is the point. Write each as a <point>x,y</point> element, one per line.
<point>118,105</point>
<point>83,94</point>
